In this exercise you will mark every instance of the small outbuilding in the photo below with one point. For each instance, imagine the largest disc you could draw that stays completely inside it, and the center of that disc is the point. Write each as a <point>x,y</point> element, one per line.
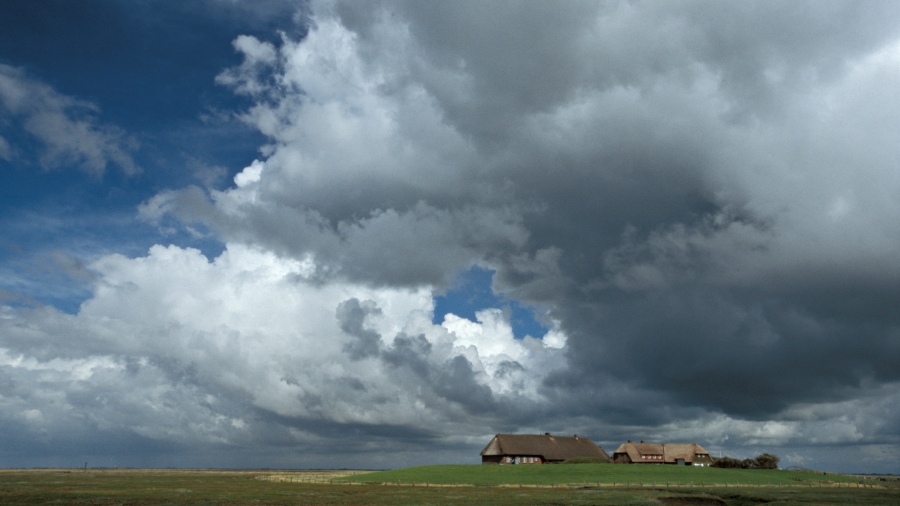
<point>537,449</point>
<point>684,454</point>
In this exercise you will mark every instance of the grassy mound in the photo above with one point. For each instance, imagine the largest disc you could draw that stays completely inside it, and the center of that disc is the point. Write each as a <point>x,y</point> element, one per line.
<point>586,460</point>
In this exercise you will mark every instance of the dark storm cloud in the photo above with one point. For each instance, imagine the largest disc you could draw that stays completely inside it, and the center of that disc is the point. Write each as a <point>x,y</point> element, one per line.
<point>351,315</point>
<point>524,57</point>
<point>744,355</point>
<point>700,199</point>
<point>454,380</point>
<point>660,169</point>
<point>411,353</point>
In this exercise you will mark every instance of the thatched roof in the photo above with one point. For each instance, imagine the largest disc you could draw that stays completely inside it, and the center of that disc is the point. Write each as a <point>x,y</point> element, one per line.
<point>546,446</point>
<point>671,452</point>
<point>688,452</point>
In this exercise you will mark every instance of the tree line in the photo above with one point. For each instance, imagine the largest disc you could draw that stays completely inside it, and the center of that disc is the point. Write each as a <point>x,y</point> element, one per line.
<point>764,461</point>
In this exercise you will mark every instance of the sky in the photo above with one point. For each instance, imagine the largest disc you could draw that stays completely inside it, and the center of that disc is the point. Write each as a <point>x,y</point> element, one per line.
<point>375,234</point>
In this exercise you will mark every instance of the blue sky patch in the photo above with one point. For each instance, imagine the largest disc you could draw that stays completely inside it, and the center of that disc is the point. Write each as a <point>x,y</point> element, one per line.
<point>472,291</point>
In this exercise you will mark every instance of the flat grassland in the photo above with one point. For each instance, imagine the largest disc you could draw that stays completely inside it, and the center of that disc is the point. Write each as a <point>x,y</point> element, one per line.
<point>507,485</point>
<point>604,475</point>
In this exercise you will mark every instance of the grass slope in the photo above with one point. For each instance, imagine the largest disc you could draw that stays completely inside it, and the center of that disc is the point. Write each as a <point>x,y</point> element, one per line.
<point>605,474</point>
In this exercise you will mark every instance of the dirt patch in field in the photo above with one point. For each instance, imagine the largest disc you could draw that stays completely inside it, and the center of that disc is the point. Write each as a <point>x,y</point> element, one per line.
<point>692,501</point>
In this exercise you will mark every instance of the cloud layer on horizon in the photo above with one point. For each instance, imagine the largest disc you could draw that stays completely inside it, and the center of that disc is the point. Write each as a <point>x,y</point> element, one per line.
<point>701,200</point>
<point>250,349</point>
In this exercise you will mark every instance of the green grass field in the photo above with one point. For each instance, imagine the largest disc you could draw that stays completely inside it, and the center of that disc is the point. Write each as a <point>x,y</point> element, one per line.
<point>282,488</point>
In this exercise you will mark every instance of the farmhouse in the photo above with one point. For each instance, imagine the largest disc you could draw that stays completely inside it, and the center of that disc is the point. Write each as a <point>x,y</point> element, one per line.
<point>690,454</point>
<point>536,449</point>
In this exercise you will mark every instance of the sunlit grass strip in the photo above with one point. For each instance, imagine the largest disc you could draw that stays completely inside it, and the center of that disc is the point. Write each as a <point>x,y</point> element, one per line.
<point>322,477</point>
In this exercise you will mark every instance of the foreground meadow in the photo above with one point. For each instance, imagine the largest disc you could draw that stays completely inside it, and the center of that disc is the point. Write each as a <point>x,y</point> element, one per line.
<point>237,488</point>
<point>606,475</point>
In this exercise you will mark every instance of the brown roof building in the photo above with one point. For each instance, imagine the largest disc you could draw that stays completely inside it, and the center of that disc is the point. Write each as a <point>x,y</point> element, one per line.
<point>536,449</point>
<point>690,454</point>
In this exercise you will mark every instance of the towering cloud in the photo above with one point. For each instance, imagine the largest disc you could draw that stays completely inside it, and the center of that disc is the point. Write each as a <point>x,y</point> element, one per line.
<point>700,199</point>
